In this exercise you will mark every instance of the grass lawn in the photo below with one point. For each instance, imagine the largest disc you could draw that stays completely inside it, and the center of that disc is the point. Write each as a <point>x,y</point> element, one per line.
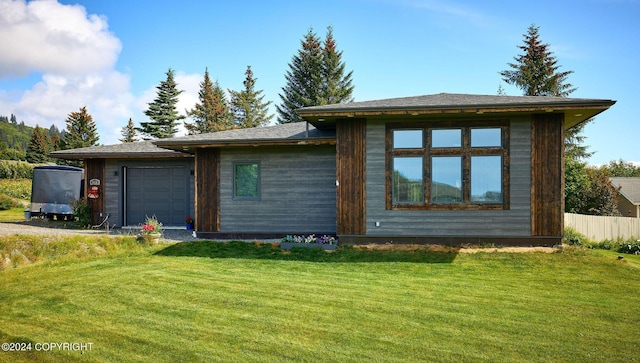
<point>207,301</point>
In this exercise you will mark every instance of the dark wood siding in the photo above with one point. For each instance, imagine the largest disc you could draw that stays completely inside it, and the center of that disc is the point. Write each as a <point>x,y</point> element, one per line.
<point>207,204</point>
<point>94,169</point>
<point>350,174</point>
<point>547,175</point>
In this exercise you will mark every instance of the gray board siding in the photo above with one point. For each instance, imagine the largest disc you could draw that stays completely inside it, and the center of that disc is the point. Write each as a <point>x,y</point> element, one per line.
<point>297,191</point>
<point>515,222</point>
<point>113,189</point>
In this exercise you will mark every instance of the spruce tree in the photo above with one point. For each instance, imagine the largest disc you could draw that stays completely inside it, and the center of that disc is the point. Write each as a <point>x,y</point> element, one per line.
<point>337,87</point>
<point>81,130</point>
<point>212,112</point>
<point>129,132</point>
<point>304,80</point>
<point>38,147</point>
<point>162,111</point>
<point>247,106</point>
<point>535,71</point>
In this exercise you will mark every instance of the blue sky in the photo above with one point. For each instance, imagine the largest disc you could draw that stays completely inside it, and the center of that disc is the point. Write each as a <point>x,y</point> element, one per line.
<point>60,55</point>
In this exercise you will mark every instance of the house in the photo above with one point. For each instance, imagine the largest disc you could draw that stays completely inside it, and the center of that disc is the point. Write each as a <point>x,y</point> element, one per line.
<point>442,168</point>
<point>629,196</point>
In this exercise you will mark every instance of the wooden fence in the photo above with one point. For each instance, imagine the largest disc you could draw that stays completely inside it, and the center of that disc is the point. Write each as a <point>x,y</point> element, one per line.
<point>598,228</point>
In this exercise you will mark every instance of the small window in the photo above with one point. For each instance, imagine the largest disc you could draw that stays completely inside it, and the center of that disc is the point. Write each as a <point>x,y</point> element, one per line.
<point>446,179</point>
<point>407,139</point>
<point>246,180</point>
<point>446,138</point>
<point>486,137</point>
<point>486,179</point>
<point>408,180</point>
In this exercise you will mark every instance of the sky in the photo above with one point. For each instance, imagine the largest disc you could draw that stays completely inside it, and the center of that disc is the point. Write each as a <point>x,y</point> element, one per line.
<point>57,56</point>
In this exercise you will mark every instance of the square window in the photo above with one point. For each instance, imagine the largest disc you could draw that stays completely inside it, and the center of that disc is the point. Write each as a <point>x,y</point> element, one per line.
<point>407,139</point>
<point>446,138</point>
<point>408,178</point>
<point>246,180</point>
<point>446,179</point>
<point>486,137</point>
<point>486,179</point>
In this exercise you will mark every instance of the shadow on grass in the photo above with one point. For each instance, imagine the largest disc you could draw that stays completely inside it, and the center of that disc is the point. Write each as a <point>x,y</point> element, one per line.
<point>268,251</point>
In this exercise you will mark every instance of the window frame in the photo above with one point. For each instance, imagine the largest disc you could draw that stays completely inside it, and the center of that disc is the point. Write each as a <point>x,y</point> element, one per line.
<point>465,151</point>
<point>234,179</point>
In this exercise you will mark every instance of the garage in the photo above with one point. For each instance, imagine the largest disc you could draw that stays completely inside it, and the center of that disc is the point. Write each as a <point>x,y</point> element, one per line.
<point>160,191</point>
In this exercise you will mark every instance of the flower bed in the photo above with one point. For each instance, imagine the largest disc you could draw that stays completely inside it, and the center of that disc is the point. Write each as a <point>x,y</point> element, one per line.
<point>325,242</point>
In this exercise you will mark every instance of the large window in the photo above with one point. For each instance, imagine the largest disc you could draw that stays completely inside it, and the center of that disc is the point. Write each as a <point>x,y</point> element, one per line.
<point>246,180</point>
<point>446,166</point>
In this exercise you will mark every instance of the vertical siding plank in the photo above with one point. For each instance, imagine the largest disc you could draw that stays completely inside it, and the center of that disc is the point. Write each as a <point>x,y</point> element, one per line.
<point>350,170</point>
<point>207,193</point>
<point>94,169</point>
<point>547,175</point>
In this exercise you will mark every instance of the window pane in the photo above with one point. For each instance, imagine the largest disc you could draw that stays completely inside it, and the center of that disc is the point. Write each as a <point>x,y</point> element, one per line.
<point>486,179</point>
<point>486,137</point>
<point>246,180</point>
<point>407,180</point>
<point>446,179</point>
<point>446,138</point>
<point>407,139</point>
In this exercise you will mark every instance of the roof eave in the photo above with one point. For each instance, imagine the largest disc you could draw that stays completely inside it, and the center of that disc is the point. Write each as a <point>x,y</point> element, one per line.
<point>189,146</point>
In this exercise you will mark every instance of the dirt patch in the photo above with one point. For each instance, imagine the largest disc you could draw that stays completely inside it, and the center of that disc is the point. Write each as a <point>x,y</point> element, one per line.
<point>461,249</point>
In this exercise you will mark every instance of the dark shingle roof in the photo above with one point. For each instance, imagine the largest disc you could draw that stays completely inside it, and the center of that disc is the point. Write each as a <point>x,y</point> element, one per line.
<point>629,188</point>
<point>576,109</point>
<point>141,149</point>
<point>292,133</point>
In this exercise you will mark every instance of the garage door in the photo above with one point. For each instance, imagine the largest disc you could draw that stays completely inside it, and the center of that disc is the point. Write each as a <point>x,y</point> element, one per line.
<point>162,192</point>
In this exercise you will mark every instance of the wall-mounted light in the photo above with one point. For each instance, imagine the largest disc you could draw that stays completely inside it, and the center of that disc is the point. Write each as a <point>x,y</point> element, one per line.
<point>115,173</point>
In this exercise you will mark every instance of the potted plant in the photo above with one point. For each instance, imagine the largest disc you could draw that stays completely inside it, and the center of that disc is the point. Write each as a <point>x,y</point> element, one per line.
<point>189,222</point>
<point>325,242</point>
<point>151,231</point>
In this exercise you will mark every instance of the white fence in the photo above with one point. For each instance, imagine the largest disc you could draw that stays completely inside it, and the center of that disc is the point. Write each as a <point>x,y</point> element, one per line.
<point>598,228</point>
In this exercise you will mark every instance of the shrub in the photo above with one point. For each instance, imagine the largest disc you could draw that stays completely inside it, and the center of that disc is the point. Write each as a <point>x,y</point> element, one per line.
<point>15,170</point>
<point>82,213</point>
<point>631,246</point>
<point>574,238</point>
<point>16,188</point>
<point>7,202</point>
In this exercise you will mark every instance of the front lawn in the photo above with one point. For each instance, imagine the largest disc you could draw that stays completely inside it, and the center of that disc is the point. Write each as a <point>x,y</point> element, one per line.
<point>207,301</point>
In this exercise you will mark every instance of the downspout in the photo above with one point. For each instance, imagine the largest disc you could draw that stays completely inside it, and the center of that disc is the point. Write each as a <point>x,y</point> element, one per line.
<point>306,135</point>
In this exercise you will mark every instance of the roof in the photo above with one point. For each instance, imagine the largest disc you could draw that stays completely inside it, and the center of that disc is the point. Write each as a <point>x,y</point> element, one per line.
<point>297,133</point>
<point>629,188</point>
<point>139,149</point>
<point>576,110</point>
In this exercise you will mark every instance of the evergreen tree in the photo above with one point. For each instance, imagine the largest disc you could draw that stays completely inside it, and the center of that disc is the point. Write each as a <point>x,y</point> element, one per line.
<point>247,106</point>
<point>162,111</point>
<point>337,87</point>
<point>315,77</point>
<point>623,168</point>
<point>81,130</point>
<point>212,112</point>
<point>129,132</point>
<point>13,119</point>
<point>38,147</point>
<point>536,70</point>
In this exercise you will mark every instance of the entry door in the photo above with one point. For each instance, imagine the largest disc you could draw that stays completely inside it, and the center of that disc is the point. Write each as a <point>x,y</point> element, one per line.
<point>162,192</point>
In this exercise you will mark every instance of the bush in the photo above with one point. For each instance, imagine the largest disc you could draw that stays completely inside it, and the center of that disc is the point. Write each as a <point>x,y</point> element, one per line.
<point>15,170</point>
<point>575,238</point>
<point>81,213</point>
<point>631,246</point>
<point>7,202</point>
<point>16,188</point>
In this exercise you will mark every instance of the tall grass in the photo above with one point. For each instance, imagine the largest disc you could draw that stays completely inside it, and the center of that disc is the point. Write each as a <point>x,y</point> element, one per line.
<point>248,302</point>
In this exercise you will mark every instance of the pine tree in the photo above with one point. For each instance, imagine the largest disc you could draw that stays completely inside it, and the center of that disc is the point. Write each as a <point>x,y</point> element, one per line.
<point>337,87</point>
<point>212,112</point>
<point>14,120</point>
<point>162,111</point>
<point>304,80</point>
<point>129,132</point>
<point>536,70</point>
<point>38,147</point>
<point>247,106</point>
<point>81,130</point>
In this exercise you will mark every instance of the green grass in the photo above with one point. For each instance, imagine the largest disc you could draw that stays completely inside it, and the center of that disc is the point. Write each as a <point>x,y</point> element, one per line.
<point>207,301</point>
<point>15,214</point>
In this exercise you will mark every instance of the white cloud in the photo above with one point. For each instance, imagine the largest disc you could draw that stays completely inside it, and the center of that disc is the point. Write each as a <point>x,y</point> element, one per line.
<point>45,36</point>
